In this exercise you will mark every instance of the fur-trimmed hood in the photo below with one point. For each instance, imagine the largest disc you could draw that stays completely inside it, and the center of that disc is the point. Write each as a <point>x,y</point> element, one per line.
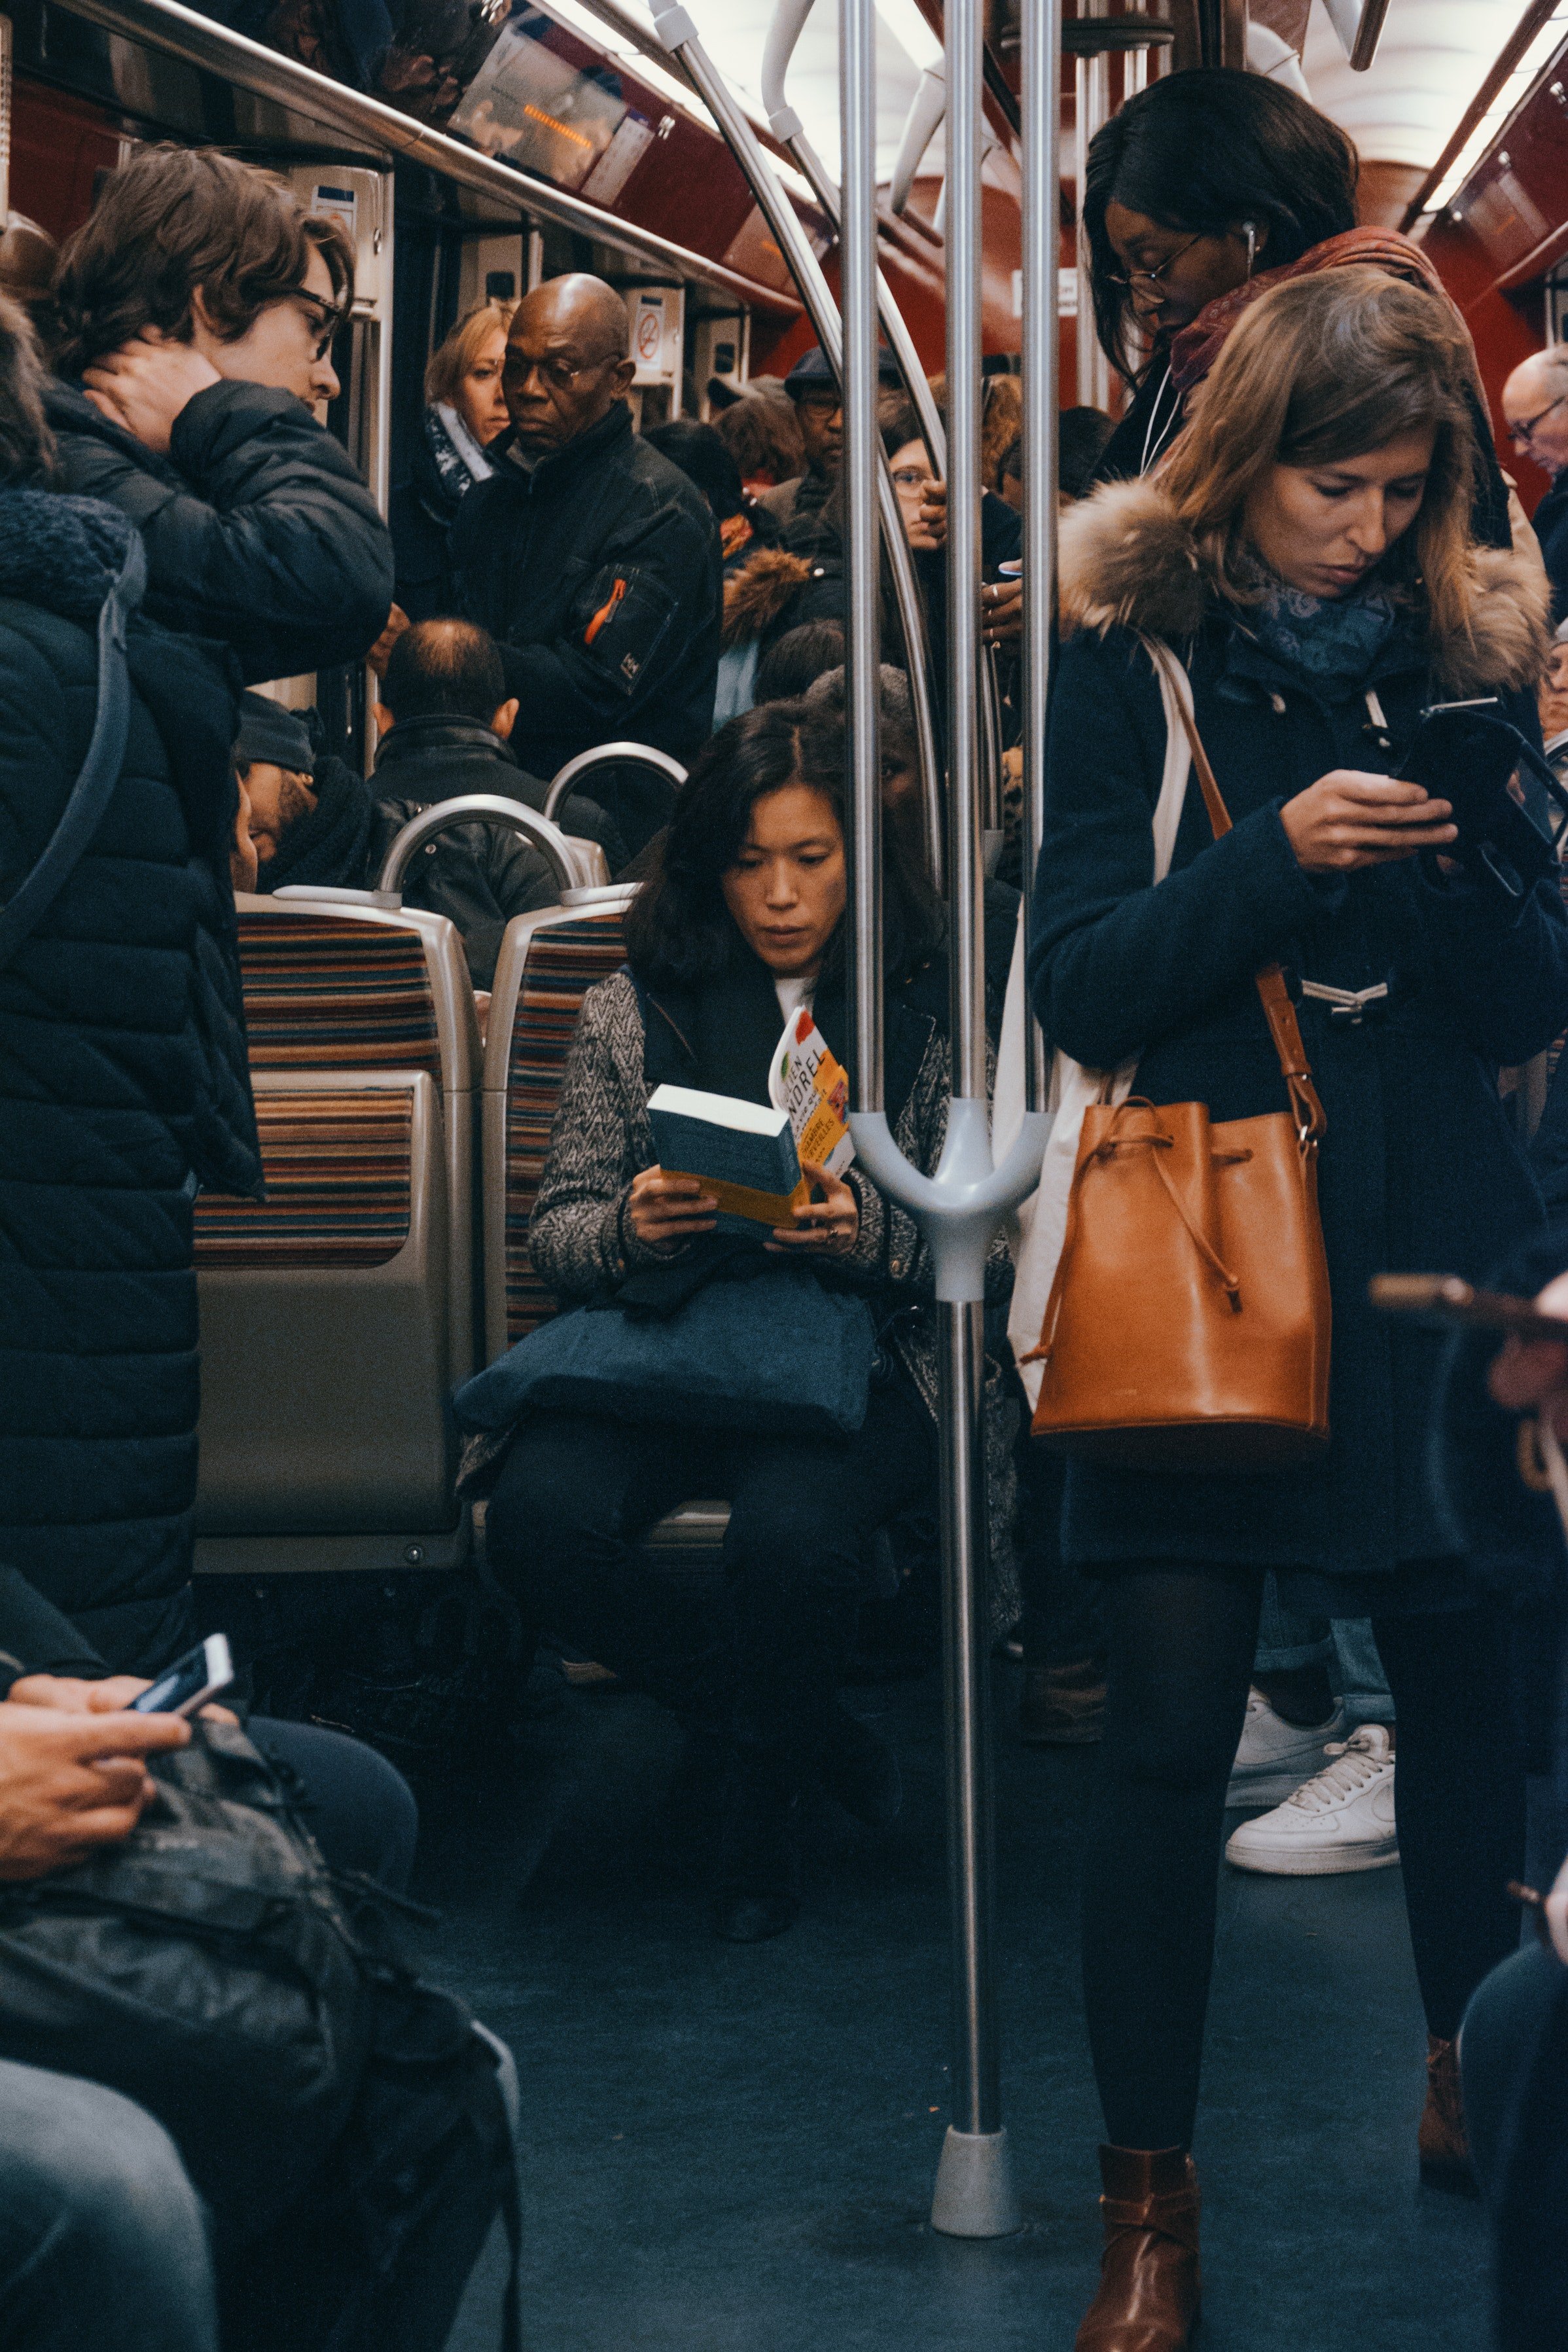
<point>1129,560</point>
<point>755,597</point>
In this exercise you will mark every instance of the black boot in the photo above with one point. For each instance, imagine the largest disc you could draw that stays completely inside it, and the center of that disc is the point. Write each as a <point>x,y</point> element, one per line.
<point>859,1771</point>
<point>756,1891</point>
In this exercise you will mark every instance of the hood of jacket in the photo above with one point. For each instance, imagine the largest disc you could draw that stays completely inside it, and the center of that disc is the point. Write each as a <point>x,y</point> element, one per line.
<point>328,845</point>
<point>757,597</point>
<point>1129,560</point>
<point>64,553</point>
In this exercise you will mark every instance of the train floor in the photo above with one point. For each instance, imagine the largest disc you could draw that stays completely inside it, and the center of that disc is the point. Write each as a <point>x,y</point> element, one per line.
<point>731,2149</point>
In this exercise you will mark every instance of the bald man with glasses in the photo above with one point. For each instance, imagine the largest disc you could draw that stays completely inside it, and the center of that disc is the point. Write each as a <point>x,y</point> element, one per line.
<point>590,560</point>
<point>1535,407</point>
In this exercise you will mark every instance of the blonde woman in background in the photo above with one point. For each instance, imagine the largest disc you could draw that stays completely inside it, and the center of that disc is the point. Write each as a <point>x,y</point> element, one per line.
<point>464,413</point>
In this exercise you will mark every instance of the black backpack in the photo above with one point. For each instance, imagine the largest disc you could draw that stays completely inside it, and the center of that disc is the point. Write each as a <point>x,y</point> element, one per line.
<point>346,2123</point>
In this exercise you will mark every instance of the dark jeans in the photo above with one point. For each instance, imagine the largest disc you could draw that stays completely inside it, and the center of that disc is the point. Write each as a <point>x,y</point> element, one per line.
<point>102,2243</point>
<point>359,1808</point>
<point>1514,2060</point>
<point>1182,1645</point>
<point>578,1492</point>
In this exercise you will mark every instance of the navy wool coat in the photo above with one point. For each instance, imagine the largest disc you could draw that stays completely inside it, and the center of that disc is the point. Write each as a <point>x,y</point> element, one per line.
<point>1420,1170</point>
<point>123,1083</point>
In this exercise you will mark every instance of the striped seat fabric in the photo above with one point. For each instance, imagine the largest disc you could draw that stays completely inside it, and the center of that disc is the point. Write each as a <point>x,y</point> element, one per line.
<point>322,993</point>
<point>563,962</point>
<point>337,1170</point>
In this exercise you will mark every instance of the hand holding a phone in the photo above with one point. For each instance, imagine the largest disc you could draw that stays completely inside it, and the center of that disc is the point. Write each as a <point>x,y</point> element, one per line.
<point>72,1781</point>
<point>1351,819</point>
<point>66,1695</point>
<point>1529,1373</point>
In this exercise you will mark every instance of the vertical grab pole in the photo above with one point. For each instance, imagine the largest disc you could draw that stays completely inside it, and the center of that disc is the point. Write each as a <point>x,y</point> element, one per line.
<point>973,2196</point>
<point>1040,94</point>
<point>857,261</point>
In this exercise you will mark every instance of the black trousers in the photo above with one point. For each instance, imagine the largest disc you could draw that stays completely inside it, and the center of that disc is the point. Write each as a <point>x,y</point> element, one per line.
<point>1181,1648</point>
<point>358,1807</point>
<point>578,1492</point>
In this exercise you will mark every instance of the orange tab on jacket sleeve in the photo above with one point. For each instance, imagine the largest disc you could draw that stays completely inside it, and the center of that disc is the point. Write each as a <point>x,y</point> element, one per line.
<point>605,613</point>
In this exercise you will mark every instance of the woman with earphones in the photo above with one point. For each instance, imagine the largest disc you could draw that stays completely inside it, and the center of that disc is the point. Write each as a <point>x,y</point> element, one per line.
<point>1202,192</point>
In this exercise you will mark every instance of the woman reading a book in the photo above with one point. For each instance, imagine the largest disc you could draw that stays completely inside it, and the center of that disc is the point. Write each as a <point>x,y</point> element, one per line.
<point>742,926</point>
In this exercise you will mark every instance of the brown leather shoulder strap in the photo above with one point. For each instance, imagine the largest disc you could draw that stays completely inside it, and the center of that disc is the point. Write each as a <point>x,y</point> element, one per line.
<point>1277,1009</point>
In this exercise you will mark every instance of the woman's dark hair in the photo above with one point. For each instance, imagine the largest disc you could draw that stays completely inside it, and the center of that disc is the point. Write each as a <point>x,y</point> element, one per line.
<point>1082,433</point>
<point>678,929</point>
<point>763,437</point>
<point>1200,151</point>
<point>798,659</point>
<point>176,221</point>
<point>702,458</point>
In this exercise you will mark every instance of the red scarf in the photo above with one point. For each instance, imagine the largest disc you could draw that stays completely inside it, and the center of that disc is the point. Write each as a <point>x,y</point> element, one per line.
<point>1194,351</point>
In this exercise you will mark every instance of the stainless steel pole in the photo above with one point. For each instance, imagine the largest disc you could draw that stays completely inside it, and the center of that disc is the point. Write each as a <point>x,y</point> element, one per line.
<point>1041,98</point>
<point>863,685</point>
<point>973,2197</point>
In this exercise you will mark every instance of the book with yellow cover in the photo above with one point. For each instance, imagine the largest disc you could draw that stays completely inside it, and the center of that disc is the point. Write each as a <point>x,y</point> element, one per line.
<point>742,1152</point>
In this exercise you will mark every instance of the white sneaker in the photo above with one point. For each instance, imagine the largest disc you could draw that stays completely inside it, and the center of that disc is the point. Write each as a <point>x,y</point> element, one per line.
<point>1274,1755</point>
<point>1341,1820</point>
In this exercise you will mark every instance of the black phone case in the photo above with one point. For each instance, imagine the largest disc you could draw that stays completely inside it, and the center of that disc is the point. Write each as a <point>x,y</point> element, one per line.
<point>1468,758</point>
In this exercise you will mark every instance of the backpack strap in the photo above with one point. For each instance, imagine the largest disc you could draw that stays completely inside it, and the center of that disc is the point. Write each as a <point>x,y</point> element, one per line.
<point>100,772</point>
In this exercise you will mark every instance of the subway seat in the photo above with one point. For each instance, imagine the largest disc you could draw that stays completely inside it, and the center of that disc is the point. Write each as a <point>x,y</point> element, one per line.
<point>548,961</point>
<point>338,1314</point>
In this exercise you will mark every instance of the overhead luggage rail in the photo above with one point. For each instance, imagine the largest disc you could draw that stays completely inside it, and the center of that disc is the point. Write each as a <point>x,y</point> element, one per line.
<point>679,34</point>
<point>198,41</point>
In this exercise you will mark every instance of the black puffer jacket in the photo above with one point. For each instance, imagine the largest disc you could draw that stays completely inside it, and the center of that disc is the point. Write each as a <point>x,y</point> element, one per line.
<point>598,574</point>
<point>257,527</point>
<point>123,1081</point>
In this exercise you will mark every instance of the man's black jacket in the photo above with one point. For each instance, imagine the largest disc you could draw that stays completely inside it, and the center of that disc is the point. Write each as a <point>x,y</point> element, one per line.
<point>480,875</point>
<point>36,1639</point>
<point>1550,523</point>
<point>598,574</point>
<point>259,529</point>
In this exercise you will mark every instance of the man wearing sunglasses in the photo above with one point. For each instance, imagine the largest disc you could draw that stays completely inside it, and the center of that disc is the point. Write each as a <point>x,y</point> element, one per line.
<point>591,560</point>
<point>198,306</point>
<point>1535,407</point>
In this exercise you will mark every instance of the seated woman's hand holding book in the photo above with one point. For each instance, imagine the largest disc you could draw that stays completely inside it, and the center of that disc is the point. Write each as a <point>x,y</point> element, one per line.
<point>829,1222</point>
<point>666,1212</point>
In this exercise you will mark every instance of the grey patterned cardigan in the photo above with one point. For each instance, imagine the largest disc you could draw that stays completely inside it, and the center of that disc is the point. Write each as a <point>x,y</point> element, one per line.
<point>601,1140</point>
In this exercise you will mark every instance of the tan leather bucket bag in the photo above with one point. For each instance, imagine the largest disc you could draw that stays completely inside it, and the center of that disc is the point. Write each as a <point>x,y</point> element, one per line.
<point>1188,1324</point>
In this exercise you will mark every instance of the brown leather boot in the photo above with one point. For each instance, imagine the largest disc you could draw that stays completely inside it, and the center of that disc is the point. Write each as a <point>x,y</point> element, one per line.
<point>1444,2147</point>
<point>1150,2282</point>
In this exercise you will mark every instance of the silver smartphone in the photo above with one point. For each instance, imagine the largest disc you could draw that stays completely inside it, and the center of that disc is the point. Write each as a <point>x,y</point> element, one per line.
<point>190,1681</point>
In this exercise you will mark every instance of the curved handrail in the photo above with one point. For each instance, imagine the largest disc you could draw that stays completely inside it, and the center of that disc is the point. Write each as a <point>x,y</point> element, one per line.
<point>926,110</point>
<point>576,865</point>
<point>564,778</point>
<point>679,36</point>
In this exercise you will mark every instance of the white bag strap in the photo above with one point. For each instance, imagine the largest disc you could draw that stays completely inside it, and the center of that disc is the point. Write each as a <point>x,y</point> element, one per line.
<point>1042,1219</point>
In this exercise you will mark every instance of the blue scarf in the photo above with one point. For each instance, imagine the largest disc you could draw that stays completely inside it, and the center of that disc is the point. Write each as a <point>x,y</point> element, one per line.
<point>1331,642</point>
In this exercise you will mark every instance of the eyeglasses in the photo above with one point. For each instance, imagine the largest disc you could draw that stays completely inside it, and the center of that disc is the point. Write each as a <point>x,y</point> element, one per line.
<point>561,374</point>
<point>1156,276</point>
<point>324,317</point>
<point>1522,433</point>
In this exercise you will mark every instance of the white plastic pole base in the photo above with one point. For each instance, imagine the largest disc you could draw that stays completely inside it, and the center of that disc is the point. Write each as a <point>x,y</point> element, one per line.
<point>974,2196</point>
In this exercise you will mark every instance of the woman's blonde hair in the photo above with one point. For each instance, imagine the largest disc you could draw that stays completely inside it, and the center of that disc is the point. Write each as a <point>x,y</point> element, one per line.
<point>1322,369</point>
<point>451,362</point>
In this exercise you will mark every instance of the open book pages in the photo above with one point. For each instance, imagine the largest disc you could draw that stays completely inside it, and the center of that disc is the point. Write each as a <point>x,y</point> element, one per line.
<point>805,1079</point>
<point>743,1153</point>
